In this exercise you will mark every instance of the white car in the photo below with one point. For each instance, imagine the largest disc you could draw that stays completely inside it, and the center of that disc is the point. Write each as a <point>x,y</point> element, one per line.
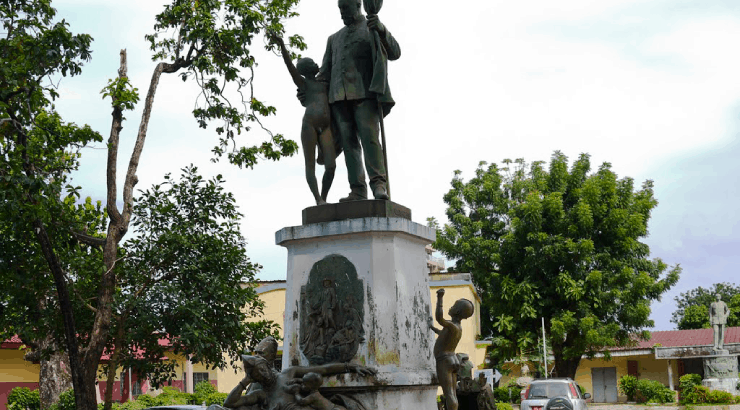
<point>540,392</point>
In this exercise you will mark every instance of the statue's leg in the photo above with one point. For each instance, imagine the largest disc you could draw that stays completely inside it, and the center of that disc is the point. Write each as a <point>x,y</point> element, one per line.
<point>368,129</point>
<point>326,140</point>
<point>308,139</point>
<point>715,331</point>
<point>343,116</point>
<point>448,381</point>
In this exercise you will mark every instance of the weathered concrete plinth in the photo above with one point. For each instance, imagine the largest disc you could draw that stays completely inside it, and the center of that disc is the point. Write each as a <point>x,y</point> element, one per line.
<point>385,258</point>
<point>720,372</point>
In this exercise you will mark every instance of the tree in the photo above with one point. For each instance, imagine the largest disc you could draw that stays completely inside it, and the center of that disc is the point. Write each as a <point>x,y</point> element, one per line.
<point>560,245</point>
<point>184,278</point>
<point>65,256</point>
<point>692,310</point>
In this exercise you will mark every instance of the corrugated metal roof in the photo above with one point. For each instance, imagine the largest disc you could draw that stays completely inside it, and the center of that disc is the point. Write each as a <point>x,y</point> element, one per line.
<point>693,337</point>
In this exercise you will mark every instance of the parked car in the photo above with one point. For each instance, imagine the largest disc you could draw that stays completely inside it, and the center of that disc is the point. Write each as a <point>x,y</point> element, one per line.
<point>540,392</point>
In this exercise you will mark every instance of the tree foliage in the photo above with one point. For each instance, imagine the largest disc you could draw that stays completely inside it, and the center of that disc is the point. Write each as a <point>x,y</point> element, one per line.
<point>60,255</point>
<point>209,41</point>
<point>559,244</point>
<point>184,278</point>
<point>692,307</point>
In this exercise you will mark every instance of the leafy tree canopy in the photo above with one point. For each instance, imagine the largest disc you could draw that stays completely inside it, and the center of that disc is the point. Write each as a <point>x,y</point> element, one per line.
<point>560,244</point>
<point>60,254</point>
<point>693,306</point>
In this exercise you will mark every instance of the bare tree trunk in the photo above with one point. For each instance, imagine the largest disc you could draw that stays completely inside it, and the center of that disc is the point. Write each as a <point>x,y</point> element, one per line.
<point>54,379</point>
<point>54,376</point>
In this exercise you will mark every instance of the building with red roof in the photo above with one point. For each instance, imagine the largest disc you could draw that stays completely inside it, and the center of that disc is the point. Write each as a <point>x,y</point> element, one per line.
<point>665,357</point>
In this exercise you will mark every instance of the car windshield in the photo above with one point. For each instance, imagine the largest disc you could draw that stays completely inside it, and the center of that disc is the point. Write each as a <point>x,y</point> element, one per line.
<point>548,390</point>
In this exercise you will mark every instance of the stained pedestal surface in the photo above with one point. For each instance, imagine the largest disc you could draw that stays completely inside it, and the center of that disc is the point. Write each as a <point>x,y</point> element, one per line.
<point>362,279</point>
<point>720,372</point>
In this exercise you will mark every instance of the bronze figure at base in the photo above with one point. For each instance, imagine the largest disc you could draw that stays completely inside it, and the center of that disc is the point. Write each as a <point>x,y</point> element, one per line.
<point>448,364</point>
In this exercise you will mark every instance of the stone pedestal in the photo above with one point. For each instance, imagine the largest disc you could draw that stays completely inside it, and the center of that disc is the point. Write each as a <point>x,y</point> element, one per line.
<point>369,275</point>
<point>720,372</point>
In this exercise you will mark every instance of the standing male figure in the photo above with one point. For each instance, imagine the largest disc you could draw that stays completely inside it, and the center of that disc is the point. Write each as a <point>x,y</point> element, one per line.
<point>348,68</point>
<point>718,313</point>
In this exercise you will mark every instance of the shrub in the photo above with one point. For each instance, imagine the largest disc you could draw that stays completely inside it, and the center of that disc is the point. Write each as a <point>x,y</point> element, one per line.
<point>719,396</point>
<point>202,391</point>
<point>503,406</point>
<point>501,394</point>
<point>23,398</point>
<point>147,400</point>
<point>216,398</point>
<point>628,386</point>
<point>173,395</point>
<point>66,401</point>
<point>652,391</point>
<point>695,395</point>
<point>688,381</point>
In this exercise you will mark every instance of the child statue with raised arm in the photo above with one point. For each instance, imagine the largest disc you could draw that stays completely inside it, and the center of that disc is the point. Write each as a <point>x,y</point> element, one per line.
<point>444,348</point>
<point>316,128</point>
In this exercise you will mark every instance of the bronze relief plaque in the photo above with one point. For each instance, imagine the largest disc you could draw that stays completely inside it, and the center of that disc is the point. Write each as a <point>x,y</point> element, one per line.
<point>332,312</point>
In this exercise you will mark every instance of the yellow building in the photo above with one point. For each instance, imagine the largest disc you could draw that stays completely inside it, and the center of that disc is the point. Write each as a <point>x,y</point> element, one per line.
<point>15,371</point>
<point>665,357</point>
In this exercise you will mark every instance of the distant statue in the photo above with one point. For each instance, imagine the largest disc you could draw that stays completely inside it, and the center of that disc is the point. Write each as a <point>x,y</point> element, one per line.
<point>448,364</point>
<point>316,128</point>
<point>718,313</point>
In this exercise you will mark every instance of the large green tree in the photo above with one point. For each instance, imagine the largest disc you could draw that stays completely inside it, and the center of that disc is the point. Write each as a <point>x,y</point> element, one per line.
<point>560,244</point>
<point>692,307</point>
<point>62,249</point>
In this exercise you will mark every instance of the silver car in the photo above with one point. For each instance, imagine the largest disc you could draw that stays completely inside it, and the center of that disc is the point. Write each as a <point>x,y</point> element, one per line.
<point>540,392</point>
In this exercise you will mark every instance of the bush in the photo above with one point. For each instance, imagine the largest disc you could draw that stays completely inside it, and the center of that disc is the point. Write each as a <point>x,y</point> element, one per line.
<point>147,400</point>
<point>686,387</point>
<point>652,391</point>
<point>695,395</point>
<point>66,401</point>
<point>501,394</point>
<point>173,395</point>
<point>628,386</point>
<point>23,398</point>
<point>688,381</point>
<point>202,391</point>
<point>720,397</point>
<point>503,406</point>
<point>216,398</point>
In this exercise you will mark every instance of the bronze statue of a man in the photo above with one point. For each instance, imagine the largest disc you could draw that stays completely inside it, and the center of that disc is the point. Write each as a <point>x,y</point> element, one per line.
<point>718,313</point>
<point>348,67</point>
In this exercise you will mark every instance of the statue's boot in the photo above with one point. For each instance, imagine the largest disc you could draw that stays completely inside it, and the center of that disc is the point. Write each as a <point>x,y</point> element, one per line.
<point>379,192</point>
<point>353,196</point>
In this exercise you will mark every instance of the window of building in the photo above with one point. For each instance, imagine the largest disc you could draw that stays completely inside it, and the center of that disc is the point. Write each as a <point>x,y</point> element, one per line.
<point>200,377</point>
<point>197,378</point>
<point>136,389</point>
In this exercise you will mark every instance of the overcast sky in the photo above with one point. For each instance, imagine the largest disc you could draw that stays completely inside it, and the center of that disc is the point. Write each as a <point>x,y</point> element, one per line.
<point>649,86</point>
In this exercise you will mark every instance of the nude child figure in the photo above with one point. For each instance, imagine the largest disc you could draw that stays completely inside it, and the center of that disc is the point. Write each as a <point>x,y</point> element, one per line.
<point>444,348</point>
<point>316,128</point>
